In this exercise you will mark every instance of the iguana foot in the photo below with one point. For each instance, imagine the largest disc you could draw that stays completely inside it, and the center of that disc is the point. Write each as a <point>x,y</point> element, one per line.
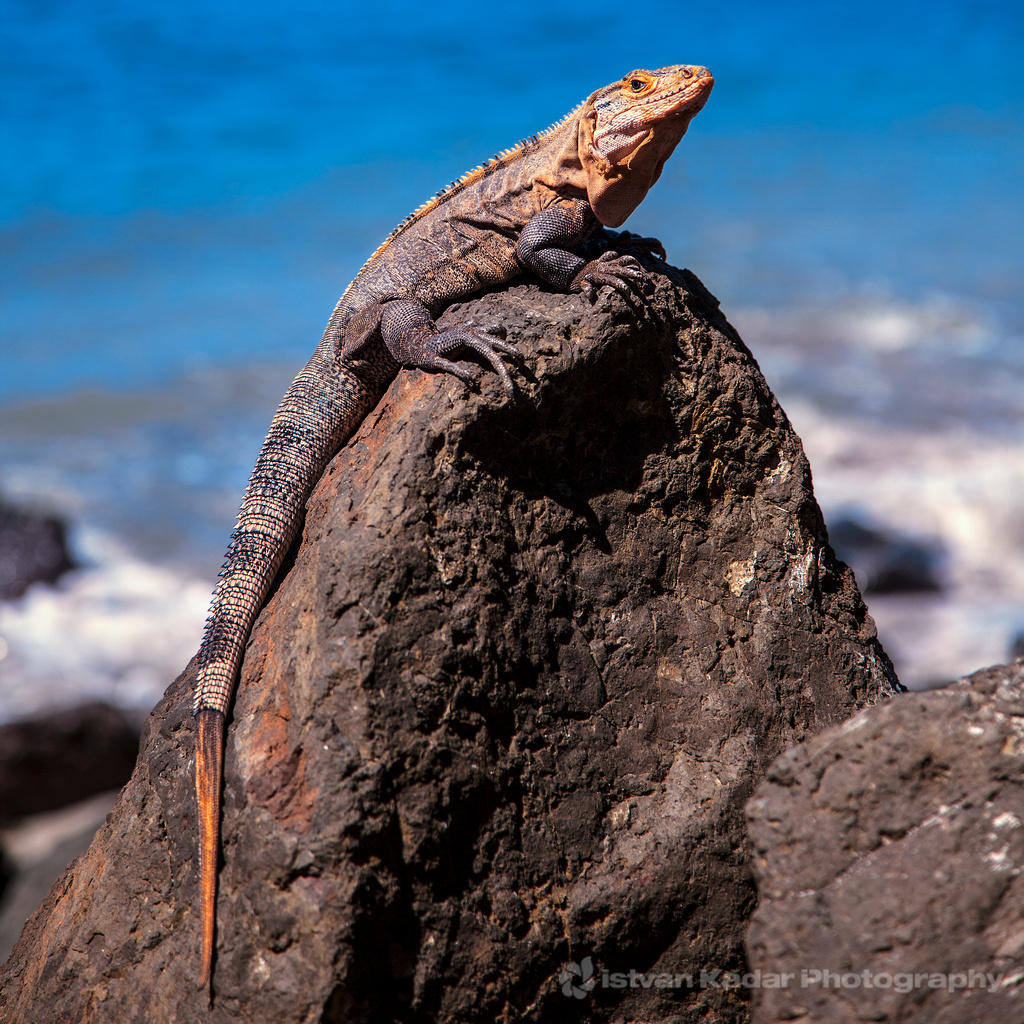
<point>414,341</point>
<point>610,268</point>
<point>488,342</point>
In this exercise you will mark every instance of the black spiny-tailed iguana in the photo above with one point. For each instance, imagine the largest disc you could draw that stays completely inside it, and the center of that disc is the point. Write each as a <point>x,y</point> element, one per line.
<point>527,209</point>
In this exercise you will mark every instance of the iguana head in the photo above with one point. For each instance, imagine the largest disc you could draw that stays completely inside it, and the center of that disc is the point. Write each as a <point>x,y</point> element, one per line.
<point>628,130</point>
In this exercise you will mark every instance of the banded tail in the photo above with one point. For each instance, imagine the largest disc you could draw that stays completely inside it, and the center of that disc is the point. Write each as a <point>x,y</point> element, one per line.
<point>318,413</point>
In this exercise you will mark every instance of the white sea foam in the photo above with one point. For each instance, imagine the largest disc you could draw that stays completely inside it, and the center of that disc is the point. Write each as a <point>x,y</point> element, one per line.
<point>939,363</point>
<point>911,418</point>
<point>118,631</point>
<point>909,414</point>
<point>961,488</point>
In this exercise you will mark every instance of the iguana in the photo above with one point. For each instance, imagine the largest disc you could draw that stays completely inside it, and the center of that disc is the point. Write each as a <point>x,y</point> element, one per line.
<point>527,209</point>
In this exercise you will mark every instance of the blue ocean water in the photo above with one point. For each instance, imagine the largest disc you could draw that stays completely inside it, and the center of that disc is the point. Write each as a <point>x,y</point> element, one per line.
<point>185,190</point>
<point>195,183</point>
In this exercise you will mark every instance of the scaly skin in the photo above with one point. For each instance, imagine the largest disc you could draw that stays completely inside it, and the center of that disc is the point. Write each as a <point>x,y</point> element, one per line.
<point>526,209</point>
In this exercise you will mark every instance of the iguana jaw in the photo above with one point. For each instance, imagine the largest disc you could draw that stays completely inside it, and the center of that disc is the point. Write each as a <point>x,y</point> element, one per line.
<point>629,129</point>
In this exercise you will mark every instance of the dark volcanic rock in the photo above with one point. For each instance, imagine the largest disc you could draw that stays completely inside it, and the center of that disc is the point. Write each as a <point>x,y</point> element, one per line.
<point>33,548</point>
<point>504,710</point>
<point>889,851</point>
<point>55,759</point>
<point>885,563</point>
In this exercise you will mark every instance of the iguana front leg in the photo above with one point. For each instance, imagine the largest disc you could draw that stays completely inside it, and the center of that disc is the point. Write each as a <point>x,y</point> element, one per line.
<point>544,247</point>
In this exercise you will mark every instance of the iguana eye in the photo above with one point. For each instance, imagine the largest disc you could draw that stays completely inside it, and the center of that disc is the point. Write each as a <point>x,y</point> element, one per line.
<point>637,85</point>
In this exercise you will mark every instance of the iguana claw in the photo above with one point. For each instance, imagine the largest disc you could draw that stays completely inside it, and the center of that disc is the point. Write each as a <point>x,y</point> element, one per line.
<point>610,268</point>
<point>488,342</point>
<point>413,340</point>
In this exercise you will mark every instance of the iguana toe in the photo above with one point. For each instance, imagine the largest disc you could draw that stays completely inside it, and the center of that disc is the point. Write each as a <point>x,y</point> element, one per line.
<point>610,268</point>
<point>487,343</point>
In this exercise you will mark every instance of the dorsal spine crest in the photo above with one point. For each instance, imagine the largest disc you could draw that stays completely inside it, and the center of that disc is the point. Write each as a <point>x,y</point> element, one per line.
<point>520,149</point>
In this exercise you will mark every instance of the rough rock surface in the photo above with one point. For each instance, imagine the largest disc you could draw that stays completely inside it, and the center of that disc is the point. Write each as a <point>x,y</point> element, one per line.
<point>502,712</point>
<point>32,548</point>
<point>59,757</point>
<point>889,851</point>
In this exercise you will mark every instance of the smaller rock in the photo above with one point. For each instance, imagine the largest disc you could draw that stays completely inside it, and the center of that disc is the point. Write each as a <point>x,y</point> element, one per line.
<point>33,548</point>
<point>52,760</point>
<point>885,563</point>
<point>889,855</point>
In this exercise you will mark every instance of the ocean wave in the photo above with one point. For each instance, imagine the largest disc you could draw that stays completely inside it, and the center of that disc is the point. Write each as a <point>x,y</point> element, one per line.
<point>959,489</point>
<point>119,630</point>
<point>936,363</point>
